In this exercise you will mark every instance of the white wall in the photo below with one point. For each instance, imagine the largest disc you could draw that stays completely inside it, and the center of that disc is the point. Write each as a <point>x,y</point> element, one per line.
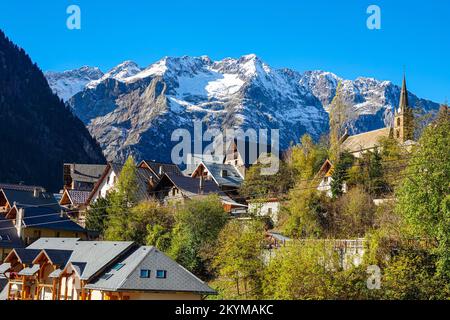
<point>264,208</point>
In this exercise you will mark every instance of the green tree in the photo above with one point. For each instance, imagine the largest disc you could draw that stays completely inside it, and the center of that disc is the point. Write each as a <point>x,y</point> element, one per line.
<point>147,217</point>
<point>239,259</point>
<point>354,213</point>
<point>197,225</point>
<point>301,271</point>
<point>97,215</point>
<point>340,173</point>
<point>423,196</point>
<point>123,198</point>
<point>338,119</point>
<point>257,185</point>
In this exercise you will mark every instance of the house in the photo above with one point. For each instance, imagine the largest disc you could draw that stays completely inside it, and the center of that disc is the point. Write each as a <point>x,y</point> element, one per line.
<point>226,176</point>
<point>242,154</point>
<point>176,188</point>
<point>159,168</point>
<point>75,201</point>
<point>324,177</point>
<point>81,177</point>
<point>71,269</point>
<point>146,178</point>
<point>402,131</point>
<point>32,223</point>
<point>265,207</point>
<point>28,213</point>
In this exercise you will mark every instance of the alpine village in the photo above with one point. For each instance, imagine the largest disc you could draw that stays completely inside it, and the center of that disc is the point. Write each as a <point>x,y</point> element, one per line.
<point>74,227</point>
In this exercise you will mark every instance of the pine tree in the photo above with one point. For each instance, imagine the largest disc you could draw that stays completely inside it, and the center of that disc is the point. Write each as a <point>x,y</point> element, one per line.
<point>123,198</point>
<point>338,118</point>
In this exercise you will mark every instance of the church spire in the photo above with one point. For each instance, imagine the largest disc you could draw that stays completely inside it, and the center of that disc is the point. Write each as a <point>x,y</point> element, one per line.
<point>403,96</point>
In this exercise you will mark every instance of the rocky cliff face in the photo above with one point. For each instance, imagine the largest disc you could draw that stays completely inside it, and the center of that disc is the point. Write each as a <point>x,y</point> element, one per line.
<point>38,132</point>
<point>134,110</point>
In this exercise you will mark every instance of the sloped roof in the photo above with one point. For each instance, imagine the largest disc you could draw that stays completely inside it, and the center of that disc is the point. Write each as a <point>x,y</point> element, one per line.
<point>232,178</point>
<point>166,167</point>
<point>178,279</point>
<point>190,187</point>
<point>90,257</point>
<point>29,271</point>
<point>25,255</point>
<point>8,234</point>
<point>365,141</point>
<point>48,218</point>
<point>78,197</point>
<point>19,187</point>
<point>24,198</point>
<point>87,172</point>
<point>58,257</point>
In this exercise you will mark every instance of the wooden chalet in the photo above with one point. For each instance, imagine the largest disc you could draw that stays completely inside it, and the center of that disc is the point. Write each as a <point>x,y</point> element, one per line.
<point>70,269</point>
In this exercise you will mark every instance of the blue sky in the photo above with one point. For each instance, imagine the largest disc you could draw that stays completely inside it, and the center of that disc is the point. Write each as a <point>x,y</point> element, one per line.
<point>302,35</point>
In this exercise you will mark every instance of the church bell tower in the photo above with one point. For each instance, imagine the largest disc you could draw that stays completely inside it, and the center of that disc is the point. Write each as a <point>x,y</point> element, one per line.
<point>404,118</point>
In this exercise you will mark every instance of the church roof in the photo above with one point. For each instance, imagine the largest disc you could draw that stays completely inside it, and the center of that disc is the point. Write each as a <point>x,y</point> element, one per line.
<point>403,96</point>
<point>365,141</point>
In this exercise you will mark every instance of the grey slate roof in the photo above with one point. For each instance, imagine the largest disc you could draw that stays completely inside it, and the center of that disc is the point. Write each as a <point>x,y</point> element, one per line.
<point>8,234</point>
<point>232,179</point>
<point>59,257</point>
<point>26,256</point>
<point>149,258</point>
<point>88,257</point>
<point>29,271</point>
<point>87,172</point>
<point>4,267</point>
<point>19,187</point>
<point>48,218</point>
<point>78,197</point>
<point>190,187</point>
<point>24,198</point>
<point>166,168</point>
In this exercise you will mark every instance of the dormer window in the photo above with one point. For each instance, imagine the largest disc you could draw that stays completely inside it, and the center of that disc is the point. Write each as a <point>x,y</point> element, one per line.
<point>145,273</point>
<point>161,274</point>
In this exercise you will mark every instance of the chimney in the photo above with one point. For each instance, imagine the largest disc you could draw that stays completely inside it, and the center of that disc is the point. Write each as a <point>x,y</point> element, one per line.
<point>161,170</point>
<point>61,214</point>
<point>19,220</point>
<point>36,192</point>
<point>202,183</point>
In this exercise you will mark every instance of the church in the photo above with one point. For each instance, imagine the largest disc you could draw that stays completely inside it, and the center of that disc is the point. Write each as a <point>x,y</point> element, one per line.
<point>402,130</point>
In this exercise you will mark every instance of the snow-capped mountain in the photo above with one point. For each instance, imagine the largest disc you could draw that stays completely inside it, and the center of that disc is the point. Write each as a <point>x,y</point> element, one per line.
<point>134,110</point>
<point>68,83</point>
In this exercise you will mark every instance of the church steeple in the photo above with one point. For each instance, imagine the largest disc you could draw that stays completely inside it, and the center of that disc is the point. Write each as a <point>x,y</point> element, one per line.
<point>403,96</point>
<point>404,118</point>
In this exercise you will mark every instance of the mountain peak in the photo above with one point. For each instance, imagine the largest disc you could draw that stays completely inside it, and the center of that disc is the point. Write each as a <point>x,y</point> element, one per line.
<point>120,72</point>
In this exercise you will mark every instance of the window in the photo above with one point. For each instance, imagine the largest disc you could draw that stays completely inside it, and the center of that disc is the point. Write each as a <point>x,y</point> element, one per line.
<point>118,266</point>
<point>398,122</point>
<point>106,276</point>
<point>269,211</point>
<point>161,274</point>
<point>57,234</point>
<point>145,273</point>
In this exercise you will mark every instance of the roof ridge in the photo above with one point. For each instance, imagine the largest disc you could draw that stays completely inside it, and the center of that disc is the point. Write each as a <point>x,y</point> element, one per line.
<point>359,134</point>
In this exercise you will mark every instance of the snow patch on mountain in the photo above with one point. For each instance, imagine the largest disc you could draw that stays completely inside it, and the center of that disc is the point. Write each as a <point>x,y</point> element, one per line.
<point>130,110</point>
<point>68,83</point>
